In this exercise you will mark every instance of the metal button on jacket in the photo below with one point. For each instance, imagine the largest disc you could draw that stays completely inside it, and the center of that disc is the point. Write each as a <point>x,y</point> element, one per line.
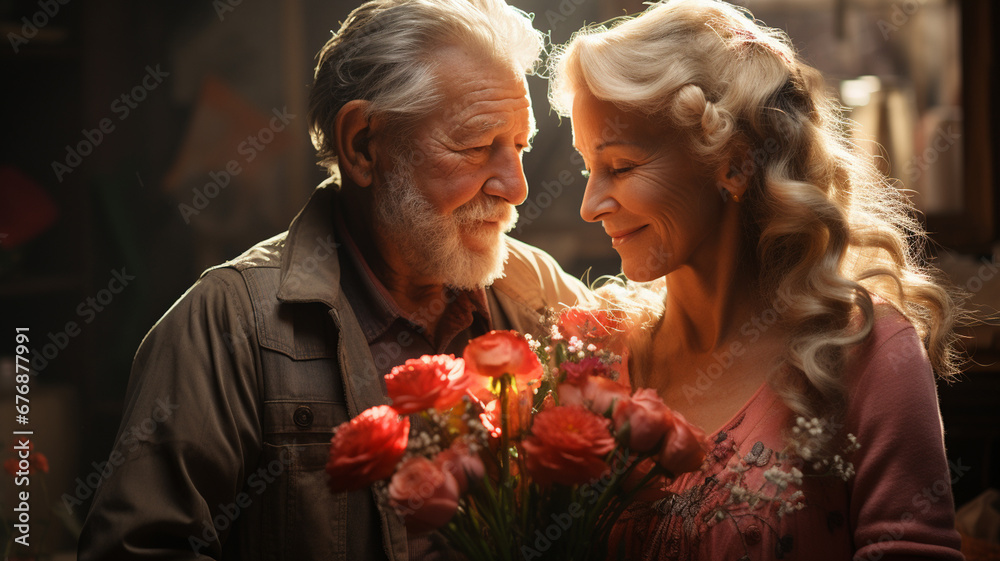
<point>303,416</point>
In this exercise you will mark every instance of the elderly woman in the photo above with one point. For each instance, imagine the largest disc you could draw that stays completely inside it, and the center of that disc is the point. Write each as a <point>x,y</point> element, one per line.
<point>799,327</point>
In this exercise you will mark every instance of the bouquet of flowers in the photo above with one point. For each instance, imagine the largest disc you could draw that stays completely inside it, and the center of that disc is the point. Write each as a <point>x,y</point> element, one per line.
<point>520,448</point>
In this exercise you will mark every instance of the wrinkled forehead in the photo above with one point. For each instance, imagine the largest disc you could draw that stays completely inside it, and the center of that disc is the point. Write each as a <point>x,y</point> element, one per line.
<point>491,105</point>
<point>598,124</point>
<point>479,94</point>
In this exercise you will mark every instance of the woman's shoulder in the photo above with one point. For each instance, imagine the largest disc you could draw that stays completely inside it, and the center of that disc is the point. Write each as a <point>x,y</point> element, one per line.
<point>890,367</point>
<point>892,338</point>
<point>888,322</point>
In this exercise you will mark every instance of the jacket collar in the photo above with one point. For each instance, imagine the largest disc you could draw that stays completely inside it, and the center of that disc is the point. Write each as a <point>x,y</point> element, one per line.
<point>310,269</point>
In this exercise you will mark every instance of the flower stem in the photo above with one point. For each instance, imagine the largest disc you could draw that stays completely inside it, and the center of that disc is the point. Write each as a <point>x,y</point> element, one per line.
<point>504,436</point>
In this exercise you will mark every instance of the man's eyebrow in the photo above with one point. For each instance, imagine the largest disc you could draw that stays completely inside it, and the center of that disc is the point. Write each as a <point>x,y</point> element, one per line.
<point>490,125</point>
<point>471,131</point>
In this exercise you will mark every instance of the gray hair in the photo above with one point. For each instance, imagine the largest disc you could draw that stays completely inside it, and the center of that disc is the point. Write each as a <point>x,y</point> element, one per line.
<point>384,54</point>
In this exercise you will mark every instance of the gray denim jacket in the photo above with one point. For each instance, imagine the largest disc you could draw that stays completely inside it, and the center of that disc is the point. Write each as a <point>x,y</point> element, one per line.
<point>243,380</point>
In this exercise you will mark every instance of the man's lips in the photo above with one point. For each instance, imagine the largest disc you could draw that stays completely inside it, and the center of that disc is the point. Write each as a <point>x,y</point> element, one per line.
<point>489,223</point>
<point>622,236</point>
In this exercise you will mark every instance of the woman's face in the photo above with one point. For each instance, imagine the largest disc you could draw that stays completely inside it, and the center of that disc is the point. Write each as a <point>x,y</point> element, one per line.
<point>660,208</point>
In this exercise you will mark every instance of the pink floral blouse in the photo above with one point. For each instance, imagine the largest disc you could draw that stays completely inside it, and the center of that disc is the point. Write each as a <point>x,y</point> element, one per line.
<point>747,502</point>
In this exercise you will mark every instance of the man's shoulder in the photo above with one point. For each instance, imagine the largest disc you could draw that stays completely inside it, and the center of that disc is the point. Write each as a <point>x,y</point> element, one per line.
<point>534,278</point>
<point>227,281</point>
<point>528,260</point>
<point>265,254</point>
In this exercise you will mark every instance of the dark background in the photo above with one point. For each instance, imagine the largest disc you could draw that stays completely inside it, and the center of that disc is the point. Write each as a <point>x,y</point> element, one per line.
<point>63,235</point>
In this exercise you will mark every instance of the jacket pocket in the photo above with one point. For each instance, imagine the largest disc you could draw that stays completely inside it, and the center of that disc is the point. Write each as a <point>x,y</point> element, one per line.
<point>302,519</point>
<point>302,420</point>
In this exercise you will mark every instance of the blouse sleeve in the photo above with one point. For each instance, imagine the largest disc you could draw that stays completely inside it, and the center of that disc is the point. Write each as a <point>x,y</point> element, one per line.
<point>900,497</point>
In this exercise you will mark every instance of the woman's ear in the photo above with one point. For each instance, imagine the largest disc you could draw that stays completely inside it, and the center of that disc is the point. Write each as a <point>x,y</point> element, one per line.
<point>733,178</point>
<point>355,153</point>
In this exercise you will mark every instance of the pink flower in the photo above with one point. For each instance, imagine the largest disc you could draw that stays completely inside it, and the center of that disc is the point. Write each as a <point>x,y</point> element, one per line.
<point>598,394</point>
<point>425,494</point>
<point>367,448</point>
<point>502,352</point>
<point>684,449</point>
<point>606,329</point>
<point>462,463</point>
<point>646,419</point>
<point>577,373</point>
<point>427,382</point>
<point>567,445</point>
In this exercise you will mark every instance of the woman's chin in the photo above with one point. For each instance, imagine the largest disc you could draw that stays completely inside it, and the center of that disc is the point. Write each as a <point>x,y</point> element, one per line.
<point>644,266</point>
<point>640,273</point>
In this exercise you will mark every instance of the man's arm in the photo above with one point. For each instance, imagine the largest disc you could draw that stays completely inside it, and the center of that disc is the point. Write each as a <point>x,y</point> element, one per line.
<point>535,280</point>
<point>189,433</point>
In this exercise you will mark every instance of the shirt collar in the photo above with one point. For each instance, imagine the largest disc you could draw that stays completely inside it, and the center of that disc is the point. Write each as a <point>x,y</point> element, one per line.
<point>310,269</point>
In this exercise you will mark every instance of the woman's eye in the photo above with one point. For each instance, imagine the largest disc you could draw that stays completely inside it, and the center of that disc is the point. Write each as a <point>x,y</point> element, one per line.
<point>610,171</point>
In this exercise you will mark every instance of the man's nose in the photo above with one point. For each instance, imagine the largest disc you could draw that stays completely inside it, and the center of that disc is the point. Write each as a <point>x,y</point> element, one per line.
<point>507,180</point>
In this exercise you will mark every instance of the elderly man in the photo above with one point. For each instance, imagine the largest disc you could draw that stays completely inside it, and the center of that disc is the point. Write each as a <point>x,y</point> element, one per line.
<point>421,108</point>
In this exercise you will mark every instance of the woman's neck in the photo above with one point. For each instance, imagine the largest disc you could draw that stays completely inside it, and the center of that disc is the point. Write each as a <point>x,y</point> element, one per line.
<point>710,298</point>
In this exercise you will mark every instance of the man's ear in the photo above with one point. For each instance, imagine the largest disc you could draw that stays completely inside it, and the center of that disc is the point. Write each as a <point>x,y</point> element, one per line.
<point>355,152</point>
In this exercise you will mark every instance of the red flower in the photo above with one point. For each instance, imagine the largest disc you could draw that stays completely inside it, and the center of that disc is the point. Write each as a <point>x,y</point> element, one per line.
<point>577,373</point>
<point>367,449</point>
<point>15,446</point>
<point>429,381</point>
<point>480,389</point>
<point>502,352</point>
<point>518,414</point>
<point>684,449</point>
<point>647,419</point>
<point>589,325</point>
<point>36,461</point>
<point>567,445</point>
<point>424,493</point>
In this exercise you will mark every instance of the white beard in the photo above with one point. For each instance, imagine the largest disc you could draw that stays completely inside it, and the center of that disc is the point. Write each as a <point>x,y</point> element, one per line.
<point>431,243</point>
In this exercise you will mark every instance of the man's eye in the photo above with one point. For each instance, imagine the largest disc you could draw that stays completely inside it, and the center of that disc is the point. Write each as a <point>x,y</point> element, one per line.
<point>477,149</point>
<point>585,172</point>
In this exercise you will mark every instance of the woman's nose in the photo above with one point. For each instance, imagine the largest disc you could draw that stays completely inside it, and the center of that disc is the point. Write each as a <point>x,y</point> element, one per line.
<point>597,202</point>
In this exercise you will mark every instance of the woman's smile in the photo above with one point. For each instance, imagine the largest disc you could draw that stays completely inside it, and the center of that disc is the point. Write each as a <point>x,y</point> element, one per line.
<point>622,236</point>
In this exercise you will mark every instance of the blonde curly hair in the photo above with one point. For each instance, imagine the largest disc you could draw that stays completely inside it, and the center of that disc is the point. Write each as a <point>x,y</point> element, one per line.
<point>824,228</point>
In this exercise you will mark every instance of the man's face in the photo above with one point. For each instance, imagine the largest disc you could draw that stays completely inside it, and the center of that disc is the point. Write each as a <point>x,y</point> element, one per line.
<point>450,194</point>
